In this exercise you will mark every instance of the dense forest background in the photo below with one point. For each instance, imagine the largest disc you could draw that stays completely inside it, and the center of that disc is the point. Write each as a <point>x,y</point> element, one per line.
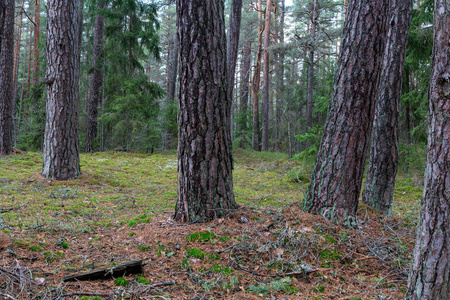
<point>136,55</point>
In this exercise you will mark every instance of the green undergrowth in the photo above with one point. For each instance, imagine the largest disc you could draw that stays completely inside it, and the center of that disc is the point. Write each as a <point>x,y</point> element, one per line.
<point>118,189</point>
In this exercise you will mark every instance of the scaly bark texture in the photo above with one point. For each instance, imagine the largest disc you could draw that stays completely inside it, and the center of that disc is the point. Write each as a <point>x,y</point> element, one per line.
<point>337,176</point>
<point>61,146</point>
<point>383,162</point>
<point>205,183</point>
<point>6,75</point>
<point>430,273</point>
<point>96,82</point>
<point>266,82</point>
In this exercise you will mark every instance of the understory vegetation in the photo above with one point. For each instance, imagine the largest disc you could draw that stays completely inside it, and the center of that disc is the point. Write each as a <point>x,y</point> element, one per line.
<point>120,210</point>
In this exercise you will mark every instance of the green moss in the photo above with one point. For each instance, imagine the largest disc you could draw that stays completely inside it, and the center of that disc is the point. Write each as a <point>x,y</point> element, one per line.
<point>196,253</point>
<point>330,239</point>
<point>329,255</point>
<point>122,282</point>
<point>143,280</point>
<point>35,248</point>
<point>144,248</point>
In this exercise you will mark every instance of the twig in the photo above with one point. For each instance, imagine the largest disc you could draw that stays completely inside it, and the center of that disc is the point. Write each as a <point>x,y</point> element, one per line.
<point>228,248</point>
<point>109,295</point>
<point>4,210</point>
<point>147,288</point>
<point>10,273</point>
<point>7,296</point>
<point>160,284</point>
<point>28,15</point>
<point>279,275</point>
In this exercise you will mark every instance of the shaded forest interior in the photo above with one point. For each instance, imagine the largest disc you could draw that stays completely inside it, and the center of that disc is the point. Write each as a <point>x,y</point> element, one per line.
<point>344,103</point>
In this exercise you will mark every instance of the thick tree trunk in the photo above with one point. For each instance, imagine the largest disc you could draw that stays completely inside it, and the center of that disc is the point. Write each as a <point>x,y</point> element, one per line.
<point>280,76</point>
<point>310,90</point>
<point>61,146</point>
<point>6,75</point>
<point>266,82</point>
<point>383,162</point>
<point>430,273</point>
<point>205,183</point>
<point>337,176</point>
<point>96,83</point>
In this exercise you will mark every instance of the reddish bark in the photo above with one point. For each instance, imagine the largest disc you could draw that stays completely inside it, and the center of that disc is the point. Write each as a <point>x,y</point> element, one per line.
<point>96,83</point>
<point>337,176</point>
<point>6,75</point>
<point>256,81</point>
<point>430,273</point>
<point>61,146</point>
<point>383,162</point>
<point>205,182</point>
<point>266,82</point>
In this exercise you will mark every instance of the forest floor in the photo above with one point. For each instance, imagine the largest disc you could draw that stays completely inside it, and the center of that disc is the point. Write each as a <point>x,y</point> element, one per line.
<point>120,210</point>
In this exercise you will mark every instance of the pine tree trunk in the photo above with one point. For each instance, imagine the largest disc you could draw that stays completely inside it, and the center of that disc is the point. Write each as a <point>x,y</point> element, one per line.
<point>7,8</point>
<point>16,62</point>
<point>172,86</point>
<point>244,89</point>
<point>96,83</point>
<point>205,183</point>
<point>266,82</point>
<point>337,176</point>
<point>37,22</point>
<point>406,89</point>
<point>310,90</point>
<point>430,273</point>
<point>173,69</point>
<point>256,81</point>
<point>280,76</point>
<point>234,28</point>
<point>61,146</point>
<point>383,162</point>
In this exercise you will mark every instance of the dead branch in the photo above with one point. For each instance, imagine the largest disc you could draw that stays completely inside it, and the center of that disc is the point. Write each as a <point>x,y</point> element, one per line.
<point>109,295</point>
<point>7,296</point>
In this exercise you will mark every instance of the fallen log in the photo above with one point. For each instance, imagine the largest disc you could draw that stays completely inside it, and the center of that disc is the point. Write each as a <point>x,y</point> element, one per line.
<point>132,267</point>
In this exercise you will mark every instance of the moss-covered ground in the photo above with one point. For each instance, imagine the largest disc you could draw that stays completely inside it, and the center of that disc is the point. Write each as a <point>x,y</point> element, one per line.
<point>120,209</point>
